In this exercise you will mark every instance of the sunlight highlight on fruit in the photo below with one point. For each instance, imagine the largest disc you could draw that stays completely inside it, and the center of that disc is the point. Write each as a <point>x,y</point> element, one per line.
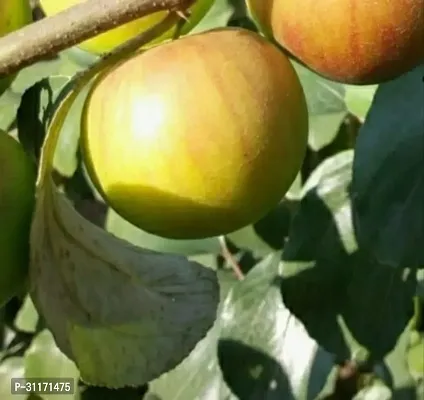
<point>149,115</point>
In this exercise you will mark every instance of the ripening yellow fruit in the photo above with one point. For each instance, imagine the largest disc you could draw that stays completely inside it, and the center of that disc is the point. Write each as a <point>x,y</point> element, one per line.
<point>14,14</point>
<point>17,186</point>
<point>197,137</point>
<point>108,40</point>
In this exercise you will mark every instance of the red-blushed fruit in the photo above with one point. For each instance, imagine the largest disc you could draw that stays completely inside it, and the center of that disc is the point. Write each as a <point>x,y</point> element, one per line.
<point>197,137</point>
<point>351,41</point>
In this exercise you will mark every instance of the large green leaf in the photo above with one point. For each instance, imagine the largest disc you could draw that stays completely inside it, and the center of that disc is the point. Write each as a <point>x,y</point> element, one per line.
<point>124,315</point>
<point>351,305</point>
<point>388,180</point>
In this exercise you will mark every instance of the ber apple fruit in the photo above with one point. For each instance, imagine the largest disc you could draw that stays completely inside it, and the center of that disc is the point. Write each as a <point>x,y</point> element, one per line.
<point>14,14</point>
<point>17,187</point>
<point>350,41</point>
<point>196,137</point>
<point>107,41</point>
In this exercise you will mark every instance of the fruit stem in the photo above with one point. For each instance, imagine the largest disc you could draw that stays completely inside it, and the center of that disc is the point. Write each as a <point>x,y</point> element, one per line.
<point>226,253</point>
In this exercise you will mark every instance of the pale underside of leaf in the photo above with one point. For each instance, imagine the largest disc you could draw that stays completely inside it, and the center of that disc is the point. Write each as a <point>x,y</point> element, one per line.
<point>123,314</point>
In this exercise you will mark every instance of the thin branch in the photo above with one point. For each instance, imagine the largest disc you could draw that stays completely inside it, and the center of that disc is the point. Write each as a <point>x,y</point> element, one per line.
<point>228,257</point>
<point>51,35</point>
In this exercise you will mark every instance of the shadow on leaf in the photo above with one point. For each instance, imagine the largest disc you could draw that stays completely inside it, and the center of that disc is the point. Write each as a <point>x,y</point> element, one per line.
<point>252,374</point>
<point>341,298</point>
<point>388,179</point>
<point>314,293</point>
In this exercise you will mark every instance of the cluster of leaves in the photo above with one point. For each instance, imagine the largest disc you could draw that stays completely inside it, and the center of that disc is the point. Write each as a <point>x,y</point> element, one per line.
<point>330,304</point>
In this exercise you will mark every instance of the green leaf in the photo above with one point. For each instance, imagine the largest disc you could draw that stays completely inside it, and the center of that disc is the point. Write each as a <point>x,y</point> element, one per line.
<point>388,180</point>
<point>326,107</point>
<point>377,328</point>
<point>34,114</point>
<point>198,376</point>
<point>9,103</point>
<point>415,354</point>
<point>249,239</point>
<point>43,69</point>
<point>269,233</point>
<point>330,285</point>
<point>359,99</point>
<point>27,317</point>
<point>394,369</point>
<point>124,315</point>
<point>44,360</point>
<point>330,182</point>
<point>32,110</point>
<point>27,77</point>
<point>217,16</point>
<point>263,350</point>
<point>256,349</point>
<point>12,367</point>
<point>79,57</point>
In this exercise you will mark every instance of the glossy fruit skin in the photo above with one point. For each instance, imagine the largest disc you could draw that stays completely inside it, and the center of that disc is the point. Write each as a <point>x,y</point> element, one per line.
<point>108,40</point>
<point>199,146</point>
<point>17,186</point>
<point>14,14</point>
<point>350,41</point>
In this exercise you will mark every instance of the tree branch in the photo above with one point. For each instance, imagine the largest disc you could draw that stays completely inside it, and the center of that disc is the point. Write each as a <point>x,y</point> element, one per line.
<point>72,26</point>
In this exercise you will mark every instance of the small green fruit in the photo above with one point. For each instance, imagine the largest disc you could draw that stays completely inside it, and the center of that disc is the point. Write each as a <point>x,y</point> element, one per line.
<point>197,137</point>
<point>109,40</point>
<point>14,14</point>
<point>17,185</point>
<point>351,41</point>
